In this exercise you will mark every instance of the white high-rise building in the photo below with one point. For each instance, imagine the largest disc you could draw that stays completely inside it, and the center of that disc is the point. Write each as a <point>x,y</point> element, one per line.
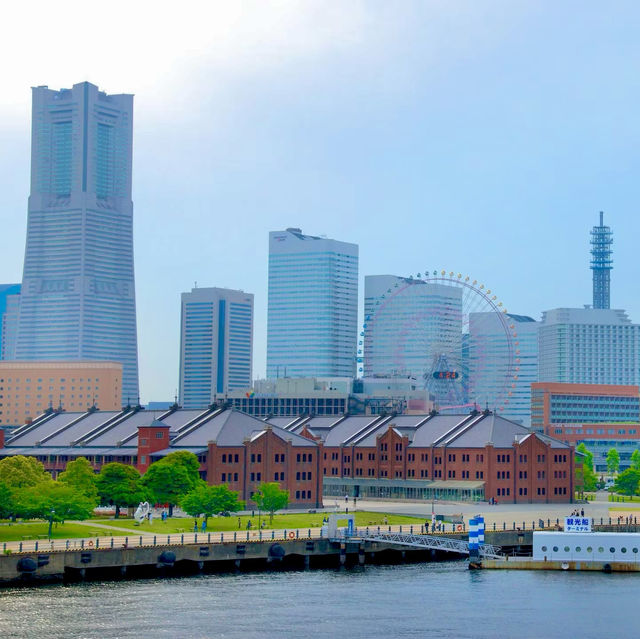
<point>502,367</point>
<point>78,294</point>
<point>216,344</point>
<point>411,327</point>
<point>313,306</point>
<point>588,346</point>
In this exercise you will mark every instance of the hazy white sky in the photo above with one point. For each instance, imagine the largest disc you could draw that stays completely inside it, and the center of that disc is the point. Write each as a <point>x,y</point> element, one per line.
<point>476,137</point>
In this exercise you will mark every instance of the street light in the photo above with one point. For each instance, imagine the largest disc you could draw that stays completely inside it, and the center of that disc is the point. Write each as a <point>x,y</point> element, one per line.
<point>51,514</point>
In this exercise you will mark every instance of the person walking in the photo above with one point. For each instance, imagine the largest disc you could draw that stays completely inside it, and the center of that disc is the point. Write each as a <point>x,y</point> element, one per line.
<point>204,525</point>
<point>195,525</point>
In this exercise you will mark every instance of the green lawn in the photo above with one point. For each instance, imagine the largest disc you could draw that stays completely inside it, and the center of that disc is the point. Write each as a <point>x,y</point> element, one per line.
<point>22,531</point>
<point>302,520</point>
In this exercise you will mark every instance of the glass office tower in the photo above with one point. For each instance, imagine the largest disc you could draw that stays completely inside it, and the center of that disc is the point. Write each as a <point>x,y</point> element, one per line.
<point>78,294</point>
<point>216,342</point>
<point>313,306</point>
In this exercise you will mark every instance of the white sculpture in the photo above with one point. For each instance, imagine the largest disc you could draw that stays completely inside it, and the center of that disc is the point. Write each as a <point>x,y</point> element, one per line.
<point>142,512</point>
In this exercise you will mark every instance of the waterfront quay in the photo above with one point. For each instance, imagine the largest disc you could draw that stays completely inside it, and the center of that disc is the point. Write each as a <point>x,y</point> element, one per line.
<point>192,553</point>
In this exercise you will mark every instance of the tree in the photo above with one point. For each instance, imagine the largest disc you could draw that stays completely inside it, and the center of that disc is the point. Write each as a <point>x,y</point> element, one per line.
<point>38,502</point>
<point>187,460</point>
<point>613,460</point>
<point>7,503</point>
<point>635,459</point>
<point>627,482</point>
<point>80,476</point>
<point>168,483</point>
<point>120,485</point>
<point>20,471</point>
<point>270,497</point>
<point>209,500</point>
<point>589,477</point>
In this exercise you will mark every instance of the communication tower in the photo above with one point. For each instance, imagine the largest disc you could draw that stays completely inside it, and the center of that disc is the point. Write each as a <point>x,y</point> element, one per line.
<point>601,263</point>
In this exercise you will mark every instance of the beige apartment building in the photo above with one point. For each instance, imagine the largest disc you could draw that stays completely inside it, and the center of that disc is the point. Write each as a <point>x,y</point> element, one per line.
<point>28,388</point>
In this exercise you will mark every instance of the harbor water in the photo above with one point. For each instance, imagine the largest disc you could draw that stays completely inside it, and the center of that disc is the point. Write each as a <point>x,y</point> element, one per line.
<point>441,599</point>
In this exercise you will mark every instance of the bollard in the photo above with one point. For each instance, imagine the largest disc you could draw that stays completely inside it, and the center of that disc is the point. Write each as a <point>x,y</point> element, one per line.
<point>182,538</point>
<point>222,537</point>
<point>504,525</point>
<point>111,543</point>
<point>140,544</point>
<point>168,540</point>
<point>260,535</point>
<point>235,536</point>
<point>126,541</point>
<point>247,535</point>
<point>297,533</point>
<point>411,529</point>
<point>533,525</point>
<point>97,542</point>
<point>154,540</point>
<point>209,538</point>
<point>548,523</point>
<point>309,535</point>
<point>82,543</point>
<point>20,547</point>
<point>273,534</point>
<point>494,526</point>
<point>195,538</point>
<point>36,546</point>
<point>400,528</point>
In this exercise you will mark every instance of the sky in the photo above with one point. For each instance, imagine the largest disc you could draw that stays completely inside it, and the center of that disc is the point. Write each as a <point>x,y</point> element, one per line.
<point>477,137</point>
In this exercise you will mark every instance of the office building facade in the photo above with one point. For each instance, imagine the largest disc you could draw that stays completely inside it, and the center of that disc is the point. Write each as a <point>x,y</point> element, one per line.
<point>28,389</point>
<point>78,294</point>
<point>9,307</point>
<point>312,319</point>
<point>502,367</point>
<point>588,346</point>
<point>216,344</point>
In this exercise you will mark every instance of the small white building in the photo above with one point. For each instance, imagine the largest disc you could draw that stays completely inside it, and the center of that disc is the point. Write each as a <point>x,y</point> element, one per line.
<point>586,546</point>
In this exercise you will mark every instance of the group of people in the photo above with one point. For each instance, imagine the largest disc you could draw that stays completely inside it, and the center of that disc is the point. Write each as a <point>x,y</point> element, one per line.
<point>249,525</point>
<point>195,525</point>
<point>577,513</point>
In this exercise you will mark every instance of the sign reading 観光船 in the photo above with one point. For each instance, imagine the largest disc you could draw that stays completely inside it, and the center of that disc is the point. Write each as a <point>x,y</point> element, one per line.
<point>577,524</point>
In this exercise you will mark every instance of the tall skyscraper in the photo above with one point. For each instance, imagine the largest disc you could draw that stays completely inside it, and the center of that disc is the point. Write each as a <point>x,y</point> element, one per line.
<point>78,294</point>
<point>9,304</point>
<point>588,346</point>
<point>601,263</point>
<point>216,343</point>
<point>313,306</point>
<point>409,325</point>
<point>493,380</point>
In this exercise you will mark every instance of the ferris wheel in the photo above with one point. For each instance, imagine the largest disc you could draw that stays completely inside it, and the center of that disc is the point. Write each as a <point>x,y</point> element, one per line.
<point>446,331</point>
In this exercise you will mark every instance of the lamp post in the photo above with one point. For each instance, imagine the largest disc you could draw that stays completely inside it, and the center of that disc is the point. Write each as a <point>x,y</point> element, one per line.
<point>51,514</point>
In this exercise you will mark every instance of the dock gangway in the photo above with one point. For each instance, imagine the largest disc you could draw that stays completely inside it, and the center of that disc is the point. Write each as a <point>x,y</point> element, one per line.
<point>428,542</point>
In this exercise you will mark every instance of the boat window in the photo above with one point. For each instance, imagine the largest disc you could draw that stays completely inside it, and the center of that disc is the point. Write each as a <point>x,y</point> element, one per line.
<point>544,549</point>
<point>623,549</point>
<point>555,549</point>
<point>612,549</point>
<point>589,549</point>
<point>635,550</point>
<point>578,549</point>
<point>566,548</point>
<point>601,549</point>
